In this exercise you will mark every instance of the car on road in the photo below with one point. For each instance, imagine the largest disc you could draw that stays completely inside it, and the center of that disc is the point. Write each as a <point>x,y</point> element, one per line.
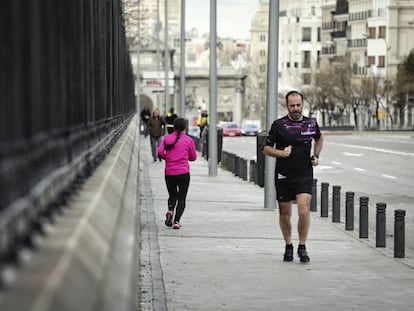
<point>249,129</point>
<point>230,129</point>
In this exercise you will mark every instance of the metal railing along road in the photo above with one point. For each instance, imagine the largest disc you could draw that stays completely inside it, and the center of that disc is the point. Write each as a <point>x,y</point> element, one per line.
<point>67,91</point>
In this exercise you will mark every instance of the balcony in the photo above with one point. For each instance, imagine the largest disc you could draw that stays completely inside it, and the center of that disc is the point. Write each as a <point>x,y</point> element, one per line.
<point>338,34</point>
<point>329,52</point>
<point>357,43</point>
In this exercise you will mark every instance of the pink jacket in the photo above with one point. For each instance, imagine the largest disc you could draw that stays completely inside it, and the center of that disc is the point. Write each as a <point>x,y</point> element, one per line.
<point>176,159</point>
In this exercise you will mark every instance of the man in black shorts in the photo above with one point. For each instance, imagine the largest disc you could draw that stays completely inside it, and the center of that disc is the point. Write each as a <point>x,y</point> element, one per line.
<point>290,141</point>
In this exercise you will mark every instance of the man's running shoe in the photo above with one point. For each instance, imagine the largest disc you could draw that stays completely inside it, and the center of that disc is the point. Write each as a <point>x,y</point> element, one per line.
<point>288,256</point>
<point>168,219</point>
<point>303,254</point>
<point>177,225</point>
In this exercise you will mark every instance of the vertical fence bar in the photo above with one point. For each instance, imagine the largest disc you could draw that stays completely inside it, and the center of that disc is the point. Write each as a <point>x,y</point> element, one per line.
<point>363,217</point>
<point>314,199</point>
<point>349,211</point>
<point>336,203</point>
<point>399,233</point>
<point>380,225</point>
<point>324,199</point>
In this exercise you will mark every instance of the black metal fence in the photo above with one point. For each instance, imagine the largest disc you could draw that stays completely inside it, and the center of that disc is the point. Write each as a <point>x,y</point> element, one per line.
<point>66,80</point>
<point>66,83</point>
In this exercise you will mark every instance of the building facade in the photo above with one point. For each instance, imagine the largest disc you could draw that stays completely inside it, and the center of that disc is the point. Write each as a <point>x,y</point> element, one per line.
<point>376,35</point>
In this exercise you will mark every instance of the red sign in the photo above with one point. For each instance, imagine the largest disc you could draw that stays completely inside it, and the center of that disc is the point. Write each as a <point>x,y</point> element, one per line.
<point>153,82</point>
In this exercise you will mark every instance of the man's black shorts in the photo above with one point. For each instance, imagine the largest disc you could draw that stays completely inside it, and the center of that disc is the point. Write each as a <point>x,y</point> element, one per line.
<point>287,190</point>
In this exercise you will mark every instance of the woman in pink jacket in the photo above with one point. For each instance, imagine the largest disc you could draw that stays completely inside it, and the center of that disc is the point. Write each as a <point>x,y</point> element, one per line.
<point>177,149</point>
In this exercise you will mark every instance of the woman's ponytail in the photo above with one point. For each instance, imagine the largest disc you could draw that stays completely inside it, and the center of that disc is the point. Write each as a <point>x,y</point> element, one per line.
<point>179,126</point>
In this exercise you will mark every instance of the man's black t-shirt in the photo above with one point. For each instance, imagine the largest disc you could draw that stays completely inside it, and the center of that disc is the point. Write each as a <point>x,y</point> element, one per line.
<point>299,135</point>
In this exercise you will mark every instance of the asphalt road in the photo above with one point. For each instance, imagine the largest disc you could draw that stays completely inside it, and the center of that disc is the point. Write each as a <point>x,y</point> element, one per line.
<point>377,165</point>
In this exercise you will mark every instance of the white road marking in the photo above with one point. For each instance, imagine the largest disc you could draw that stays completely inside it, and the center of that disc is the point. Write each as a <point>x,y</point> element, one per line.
<point>353,154</point>
<point>359,169</point>
<point>388,176</point>
<point>323,167</point>
<point>337,163</point>
<point>376,149</point>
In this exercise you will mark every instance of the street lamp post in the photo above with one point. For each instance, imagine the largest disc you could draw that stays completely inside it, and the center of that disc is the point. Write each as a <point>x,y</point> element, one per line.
<point>386,83</point>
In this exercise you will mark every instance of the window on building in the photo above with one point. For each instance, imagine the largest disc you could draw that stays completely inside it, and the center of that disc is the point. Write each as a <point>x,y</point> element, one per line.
<point>288,65</point>
<point>306,34</point>
<point>371,61</point>
<point>177,42</point>
<point>381,32</point>
<point>319,34</point>
<point>355,68</point>
<point>306,59</point>
<point>371,32</point>
<point>262,85</point>
<point>262,53</point>
<point>296,65</point>
<point>262,68</point>
<point>306,77</point>
<point>262,38</point>
<point>381,61</point>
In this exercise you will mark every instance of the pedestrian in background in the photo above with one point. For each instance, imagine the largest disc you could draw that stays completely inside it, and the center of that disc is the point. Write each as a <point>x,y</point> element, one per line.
<point>177,149</point>
<point>145,116</point>
<point>169,120</point>
<point>156,129</point>
<point>290,141</point>
<point>202,121</point>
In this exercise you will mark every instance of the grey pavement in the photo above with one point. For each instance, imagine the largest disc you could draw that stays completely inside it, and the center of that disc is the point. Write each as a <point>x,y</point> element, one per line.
<point>228,254</point>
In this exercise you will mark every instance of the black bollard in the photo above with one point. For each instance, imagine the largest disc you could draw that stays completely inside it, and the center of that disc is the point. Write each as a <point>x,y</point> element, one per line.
<point>324,199</point>
<point>336,204</point>
<point>349,211</point>
<point>363,217</point>
<point>380,225</point>
<point>399,233</point>
<point>314,195</point>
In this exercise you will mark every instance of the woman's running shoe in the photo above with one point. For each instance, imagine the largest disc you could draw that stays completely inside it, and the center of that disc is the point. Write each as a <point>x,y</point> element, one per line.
<point>177,225</point>
<point>168,219</point>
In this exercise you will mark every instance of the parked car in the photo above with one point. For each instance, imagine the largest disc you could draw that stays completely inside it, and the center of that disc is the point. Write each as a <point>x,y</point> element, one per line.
<point>230,129</point>
<point>249,130</point>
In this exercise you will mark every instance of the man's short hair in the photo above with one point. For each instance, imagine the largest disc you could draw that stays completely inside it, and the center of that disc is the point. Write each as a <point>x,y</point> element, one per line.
<point>293,93</point>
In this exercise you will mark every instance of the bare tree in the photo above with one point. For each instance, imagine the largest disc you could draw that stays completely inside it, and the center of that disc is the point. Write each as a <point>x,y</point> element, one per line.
<point>404,88</point>
<point>361,101</point>
<point>344,89</point>
<point>136,16</point>
<point>323,94</point>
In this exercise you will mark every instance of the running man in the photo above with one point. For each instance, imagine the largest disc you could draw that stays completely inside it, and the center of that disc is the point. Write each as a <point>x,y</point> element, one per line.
<point>290,141</point>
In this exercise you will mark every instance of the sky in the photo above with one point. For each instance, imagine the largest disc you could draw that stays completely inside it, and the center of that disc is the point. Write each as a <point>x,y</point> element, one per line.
<point>234,17</point>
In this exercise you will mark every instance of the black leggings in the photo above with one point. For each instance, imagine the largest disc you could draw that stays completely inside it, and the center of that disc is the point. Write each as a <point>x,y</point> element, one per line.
<point>177,187</point>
